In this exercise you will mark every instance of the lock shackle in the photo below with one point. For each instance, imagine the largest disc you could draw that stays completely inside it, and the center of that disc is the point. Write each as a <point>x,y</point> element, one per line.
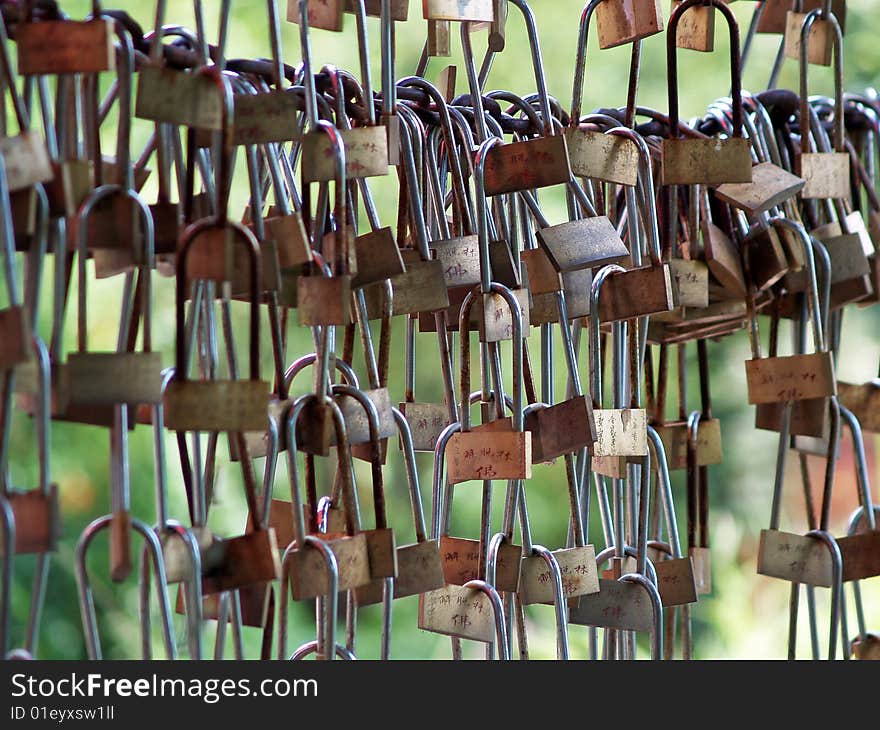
<point>664,484</point>
<point>145,267</point>
<point>160,30</point>
<point>386,28</point>
<point>438,509</point>
<point>301,363</point>
<point>275,43</point>
<point>22,117</point>
<point>448,130</point>
<point>125,66</point>
<point>84,590</point>
<point>520,104</point>
<point>340,196</point>
<point>465,349</point>
<point>308,78</point>
<point>311,647</point>
<point>831,457</point>
<point>372,415</point>
<point>863,483</point>
<point>698,521</point>
<point>43,412</point>
<point>495,601</point>
<point>328,621</point>
<point>7,240</point>
<point>343,454</point>
<point>672,63</point>
<point>595,335</point>
<point>827,539</point>
<point>481,129</point>
<point>815,306</point>
<point>653,594</point>
<point>413,192</point>
<point>441,511</point>
<point>580,66</point>
<point>803,65</point>
<point>858,517</point>
<point>412,474</point>
<point>224,173</point>
<point>247,239</point>
<point>559,603</point>
<point>537,63</point>
<point>646,179</point>
<point>483,214</point>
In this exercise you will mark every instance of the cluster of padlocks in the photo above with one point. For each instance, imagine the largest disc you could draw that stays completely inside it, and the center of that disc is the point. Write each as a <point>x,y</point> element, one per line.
<point>677,232</point>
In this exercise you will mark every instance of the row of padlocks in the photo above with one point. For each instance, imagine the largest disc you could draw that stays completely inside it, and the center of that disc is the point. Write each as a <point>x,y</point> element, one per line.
<point>677,232</point>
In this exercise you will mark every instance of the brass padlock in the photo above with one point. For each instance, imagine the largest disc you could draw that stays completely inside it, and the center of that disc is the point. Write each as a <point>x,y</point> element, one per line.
<point>419,565</point>
<point>478,455</point>
<point>107,378</point>
<point>708,161</point>
<point>793,377</point>
<point>474,11</point>
<point>303,566</point>
<point>826,173</point>
<point>626,21</point>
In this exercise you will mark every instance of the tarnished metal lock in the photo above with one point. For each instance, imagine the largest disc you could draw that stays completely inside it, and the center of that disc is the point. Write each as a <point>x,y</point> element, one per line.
<point>456,10</point>
<point>626,21</point>
<point>710,161</point>
<point>826,173</point>
<point>696,30</point>
<point>65,46</point>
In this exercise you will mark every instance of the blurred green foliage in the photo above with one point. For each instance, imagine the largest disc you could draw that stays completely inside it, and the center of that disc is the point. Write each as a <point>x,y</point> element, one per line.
<point>746,616</point>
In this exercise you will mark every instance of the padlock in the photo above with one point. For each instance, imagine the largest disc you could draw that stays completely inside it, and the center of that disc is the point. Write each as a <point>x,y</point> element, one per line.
<point>535,163</point>
<point>812,559</point>
<point>473,11</point>
<point>107,378</point>
<point>860,547</point>
<point>181,97</point>
<point>216,405</point>
<point>464,559</point>
<point>642,290</point>
<point>819,41</point>
<point>629,603</point>
<point>366,154</point>
<point>560,575</point>
<point>696,29</point>
<point>722,256</point>
<point>620,432</point>
<point>625,21</point>
<point>710,161</point>
<point>677,582</point>
<point>472,611</point>
<point>381,546</point>
<point>592,153</point>
<point>774,13</point>
<point>826,173</point>
<point>65,46</point>
<point>302,566</point>
<point>477,455</point>
<point>419,565</point>
<point>793,377</point>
